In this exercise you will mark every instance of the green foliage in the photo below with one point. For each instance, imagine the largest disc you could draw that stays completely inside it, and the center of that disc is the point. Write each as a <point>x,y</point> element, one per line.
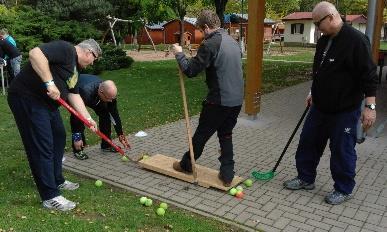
<point>31,28</point>
<point>113,58</point>
<point>277,9</point>
<point>307,5</point>
<point>80,10</point>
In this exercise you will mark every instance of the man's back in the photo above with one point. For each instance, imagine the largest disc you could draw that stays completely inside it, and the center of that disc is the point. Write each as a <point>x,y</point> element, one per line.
<point>88,89</point>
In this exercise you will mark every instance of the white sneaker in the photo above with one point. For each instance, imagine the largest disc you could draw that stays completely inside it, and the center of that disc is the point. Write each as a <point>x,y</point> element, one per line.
<point>68,185</point>
<point>59,203</point>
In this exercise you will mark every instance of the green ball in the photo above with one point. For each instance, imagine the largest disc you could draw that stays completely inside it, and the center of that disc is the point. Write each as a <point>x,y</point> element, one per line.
<point>160,211</point>
<point>124,158</point>
<point>98,183</point>
<point>239,188</point>
<point>233,191</point>
<point>163,205</point>
<point>248,182</point>
<point>143,200</point>
<point>148,202</point>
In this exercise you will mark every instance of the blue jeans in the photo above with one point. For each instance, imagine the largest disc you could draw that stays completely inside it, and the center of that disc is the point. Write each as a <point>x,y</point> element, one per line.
<point>15,64</point>
<point>340,129</point>
<point>44,139</point>
<point>14,67</point>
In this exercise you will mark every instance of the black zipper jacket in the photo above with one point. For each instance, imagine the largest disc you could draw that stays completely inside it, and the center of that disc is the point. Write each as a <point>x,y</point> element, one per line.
<point>346,74</point>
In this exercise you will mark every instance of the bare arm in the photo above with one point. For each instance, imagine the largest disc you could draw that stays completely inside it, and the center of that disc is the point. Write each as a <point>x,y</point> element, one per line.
<point>40,64</point>
<point>77,103</point>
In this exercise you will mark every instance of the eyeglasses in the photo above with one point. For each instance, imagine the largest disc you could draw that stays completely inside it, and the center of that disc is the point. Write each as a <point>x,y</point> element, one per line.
<point>95,56</point>
<point>320,21</point>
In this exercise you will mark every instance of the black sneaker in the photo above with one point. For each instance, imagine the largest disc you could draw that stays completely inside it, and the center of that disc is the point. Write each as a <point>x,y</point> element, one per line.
<point>109,149</point>
<point>81,155</point>
<point>296,184</point>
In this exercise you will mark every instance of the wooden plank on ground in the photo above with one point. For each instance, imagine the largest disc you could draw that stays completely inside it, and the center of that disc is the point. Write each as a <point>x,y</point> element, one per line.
<point>207,177</point>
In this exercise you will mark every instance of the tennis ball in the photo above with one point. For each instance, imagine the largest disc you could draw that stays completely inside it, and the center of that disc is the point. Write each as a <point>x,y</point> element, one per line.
<point>144,157</point>
<point>248,182</point>
<point>98,183</point>
<point>124,158</point>
<point>239,188</point>
<point>148,202</point>
<point>160,211</point>
<point>143,200</point>
<point>233,191</point>
<point>163,205</point>
<point>239,195</point>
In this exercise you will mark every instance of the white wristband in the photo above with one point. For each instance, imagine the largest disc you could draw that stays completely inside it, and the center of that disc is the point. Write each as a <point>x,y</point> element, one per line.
<point>48,83</point>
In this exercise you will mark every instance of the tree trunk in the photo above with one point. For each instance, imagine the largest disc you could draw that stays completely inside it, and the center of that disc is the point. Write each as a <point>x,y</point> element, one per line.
<point>220,6</point>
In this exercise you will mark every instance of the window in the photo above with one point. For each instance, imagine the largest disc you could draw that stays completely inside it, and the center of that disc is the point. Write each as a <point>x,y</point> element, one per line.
<point>297,28</point>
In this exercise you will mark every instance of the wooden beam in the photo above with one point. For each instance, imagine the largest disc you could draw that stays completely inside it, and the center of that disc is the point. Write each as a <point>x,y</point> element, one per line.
<point>254,57</point>
<point>380,4</point>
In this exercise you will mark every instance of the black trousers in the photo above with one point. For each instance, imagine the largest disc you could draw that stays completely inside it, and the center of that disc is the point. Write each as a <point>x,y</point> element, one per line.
<point>220,119</point>
<point>44,140</point>
<point>104,124</point>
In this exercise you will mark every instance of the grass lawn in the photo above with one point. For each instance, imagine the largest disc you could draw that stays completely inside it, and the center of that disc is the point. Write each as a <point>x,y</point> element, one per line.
<point>383,45</point>
<point>149,95</point>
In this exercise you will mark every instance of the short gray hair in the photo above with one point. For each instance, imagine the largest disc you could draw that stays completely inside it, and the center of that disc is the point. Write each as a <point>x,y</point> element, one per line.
<point>91,45</point>
<point>209,18</point>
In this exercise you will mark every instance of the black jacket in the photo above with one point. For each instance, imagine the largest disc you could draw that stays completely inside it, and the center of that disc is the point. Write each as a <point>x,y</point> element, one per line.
<point>88,89</point>
<point>347,73</point>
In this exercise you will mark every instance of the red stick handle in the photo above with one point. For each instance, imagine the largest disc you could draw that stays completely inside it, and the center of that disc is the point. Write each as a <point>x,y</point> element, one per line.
<point>88,124</point>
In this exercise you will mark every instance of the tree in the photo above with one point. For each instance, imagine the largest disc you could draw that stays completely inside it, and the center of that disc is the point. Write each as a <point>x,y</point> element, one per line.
<point>220,6</point>
<point>180,9</point>
<point>278,9</point>
<point>307,5</point>
<point>79,10</point>
<point>235,6</point>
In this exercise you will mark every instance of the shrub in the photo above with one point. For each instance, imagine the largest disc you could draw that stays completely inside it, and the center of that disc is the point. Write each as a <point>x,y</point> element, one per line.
<point>112,58</point>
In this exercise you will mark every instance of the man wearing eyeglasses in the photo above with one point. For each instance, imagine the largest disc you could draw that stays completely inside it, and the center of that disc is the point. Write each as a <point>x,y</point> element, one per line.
<point>51,72</point>
<point>101,97</point>
<point>343,75</point>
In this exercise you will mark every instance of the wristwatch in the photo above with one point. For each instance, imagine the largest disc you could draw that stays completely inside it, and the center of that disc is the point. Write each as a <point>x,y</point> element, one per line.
<point>371,106</point>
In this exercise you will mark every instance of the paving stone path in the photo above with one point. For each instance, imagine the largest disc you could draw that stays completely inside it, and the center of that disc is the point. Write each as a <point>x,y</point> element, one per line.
<point>267,205</point>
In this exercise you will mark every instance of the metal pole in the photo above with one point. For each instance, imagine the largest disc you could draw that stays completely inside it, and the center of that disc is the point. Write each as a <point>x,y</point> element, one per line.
<point>361,134</point>
<point>240,29</point>
<point>371,20</point>
<point>2,79</point>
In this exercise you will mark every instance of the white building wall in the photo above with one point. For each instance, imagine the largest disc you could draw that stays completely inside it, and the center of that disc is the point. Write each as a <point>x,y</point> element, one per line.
<point>360,26</point>
<point>306,37</point>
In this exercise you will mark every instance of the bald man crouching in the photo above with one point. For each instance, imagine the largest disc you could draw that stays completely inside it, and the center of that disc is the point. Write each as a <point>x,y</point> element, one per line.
<point>101,97</point>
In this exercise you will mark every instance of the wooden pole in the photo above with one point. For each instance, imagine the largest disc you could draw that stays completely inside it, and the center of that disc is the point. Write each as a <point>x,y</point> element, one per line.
<point>380,4</point>
<point>188,126</point>
<point>150,38</point>
<point>254,57</point>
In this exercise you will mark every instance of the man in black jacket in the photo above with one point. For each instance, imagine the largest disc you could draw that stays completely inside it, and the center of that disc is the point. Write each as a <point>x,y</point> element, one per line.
<point>343,75</point>
<point>101,97</point>
<point>220,56</point>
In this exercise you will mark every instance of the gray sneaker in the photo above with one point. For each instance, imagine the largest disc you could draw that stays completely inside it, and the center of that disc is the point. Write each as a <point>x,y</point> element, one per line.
<point>296,184</point>
<point>59,203</point>
<point>336,197</point>
<point>68,185</point>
